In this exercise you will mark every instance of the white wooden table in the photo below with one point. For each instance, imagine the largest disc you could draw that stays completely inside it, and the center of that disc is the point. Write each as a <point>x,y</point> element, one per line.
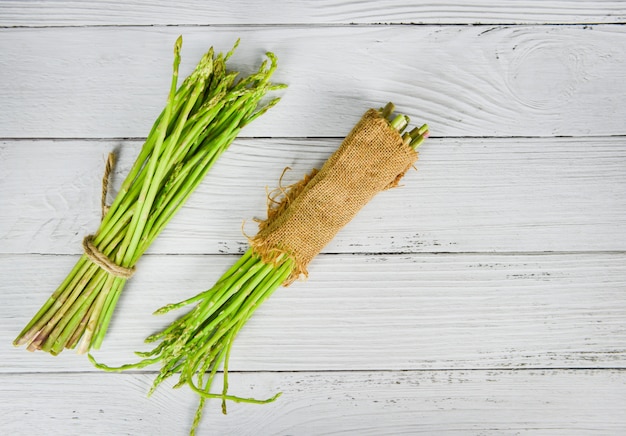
<point>487,295</point>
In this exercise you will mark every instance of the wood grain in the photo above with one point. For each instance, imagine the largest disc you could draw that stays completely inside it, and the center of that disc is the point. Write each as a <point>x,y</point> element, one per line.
<point>464,81</point>
<point>363,312</point>
<point>141,12</point>
<point>483,297</point>
<point>467,195</point>
<point>481,402</point>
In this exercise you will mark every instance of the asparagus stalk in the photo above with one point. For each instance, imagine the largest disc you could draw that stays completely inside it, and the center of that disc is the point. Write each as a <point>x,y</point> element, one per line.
<point>200,120</point>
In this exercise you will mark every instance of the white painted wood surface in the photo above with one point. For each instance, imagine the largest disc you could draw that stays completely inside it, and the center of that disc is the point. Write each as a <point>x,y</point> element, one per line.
<point>465,80</point>
<point>539,194</point>
<point>369,312</point>
<point>485,402</point>
<point>161,12</point>
<point>487,295</point>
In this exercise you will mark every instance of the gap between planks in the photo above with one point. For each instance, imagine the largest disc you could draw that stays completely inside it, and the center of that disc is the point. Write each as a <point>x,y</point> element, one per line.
<point>369,254</point>
<point>309,138</point>
<point>312,25</point>
<point>346,371</point>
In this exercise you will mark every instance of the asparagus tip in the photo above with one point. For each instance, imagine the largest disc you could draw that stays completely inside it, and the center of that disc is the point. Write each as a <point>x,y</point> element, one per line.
<point>232,50</point>
<point>178,45</point>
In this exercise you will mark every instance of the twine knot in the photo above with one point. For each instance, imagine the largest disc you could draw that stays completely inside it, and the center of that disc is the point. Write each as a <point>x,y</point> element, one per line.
<point>100,259</point>
<point>91,251</point>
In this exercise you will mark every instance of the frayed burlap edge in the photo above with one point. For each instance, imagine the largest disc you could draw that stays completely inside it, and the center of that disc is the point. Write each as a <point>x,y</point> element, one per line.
<point>302,218</point>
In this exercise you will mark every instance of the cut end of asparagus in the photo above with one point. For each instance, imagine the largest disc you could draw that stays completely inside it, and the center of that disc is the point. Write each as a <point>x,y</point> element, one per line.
<point>20,340</point>
<point>400,122</point>
<point>387,110</point>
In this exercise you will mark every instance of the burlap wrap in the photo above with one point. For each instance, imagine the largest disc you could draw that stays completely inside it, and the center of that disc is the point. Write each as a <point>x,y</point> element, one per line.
<point>372,158</point>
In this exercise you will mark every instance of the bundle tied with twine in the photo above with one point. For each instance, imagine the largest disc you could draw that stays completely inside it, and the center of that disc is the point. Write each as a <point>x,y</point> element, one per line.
<point>201,118</point>
<point>372,158</point>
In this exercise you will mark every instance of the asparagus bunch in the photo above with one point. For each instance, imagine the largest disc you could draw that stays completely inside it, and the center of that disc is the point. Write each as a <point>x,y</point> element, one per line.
<point>199,343</point>
<point>200,120</point>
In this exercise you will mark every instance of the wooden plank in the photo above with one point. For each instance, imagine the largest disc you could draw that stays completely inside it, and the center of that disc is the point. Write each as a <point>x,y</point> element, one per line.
<point>138,12</point>
<point>365,312</point>
<point>333,403</point>
<point>467,195</point>
<point>463,80</point>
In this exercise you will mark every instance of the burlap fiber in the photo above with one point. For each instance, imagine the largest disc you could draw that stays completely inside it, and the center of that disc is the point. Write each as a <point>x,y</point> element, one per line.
<point>371,158</point>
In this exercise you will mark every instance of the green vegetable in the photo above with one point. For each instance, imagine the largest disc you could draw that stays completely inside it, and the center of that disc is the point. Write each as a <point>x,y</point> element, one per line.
<point>199,343</point>
<point>200,120</point>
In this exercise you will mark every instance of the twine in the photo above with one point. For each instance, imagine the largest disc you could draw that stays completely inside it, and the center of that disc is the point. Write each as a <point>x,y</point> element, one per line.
<point>97,257</point>
<point>91,251</point>
<point>105,183</point>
